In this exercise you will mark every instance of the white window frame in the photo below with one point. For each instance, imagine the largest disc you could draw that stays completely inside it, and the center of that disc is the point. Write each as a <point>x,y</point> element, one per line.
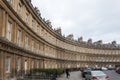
<point>37,47</point>
<point>33,23</point>
<point>32,45</point>
<point>26,42</point>
<point>25,66</point>
<point>9,30</point>
<point>32,65</point>
<point>7,64</point>
<point>37,64</point>
<point>18,63</point>
<point>19,37</point>
<point>38,29</point>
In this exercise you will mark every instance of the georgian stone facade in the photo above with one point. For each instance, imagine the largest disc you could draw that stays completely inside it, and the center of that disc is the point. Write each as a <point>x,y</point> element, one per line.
<point>28,41</point>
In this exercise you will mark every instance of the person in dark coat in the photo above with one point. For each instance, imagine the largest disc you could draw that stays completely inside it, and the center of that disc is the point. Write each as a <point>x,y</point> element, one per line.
<point>67,73</point>
<point>54,75</point>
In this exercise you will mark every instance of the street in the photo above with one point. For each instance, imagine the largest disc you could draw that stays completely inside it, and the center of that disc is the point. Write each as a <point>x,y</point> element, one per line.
<point>112,75</point>
<point>77,75</point>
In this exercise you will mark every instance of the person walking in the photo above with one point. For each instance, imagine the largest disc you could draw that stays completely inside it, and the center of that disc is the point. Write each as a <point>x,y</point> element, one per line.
<point>67,73</point>
<point>54,75</point>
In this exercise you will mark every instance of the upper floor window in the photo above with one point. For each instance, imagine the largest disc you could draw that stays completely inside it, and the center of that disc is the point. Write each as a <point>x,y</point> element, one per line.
<point>33,23</point>
<point>10,1</point>
<point>37,65</point>
<point>25,66</point>
<point>42,31</point>
<point>32,45</point>
<point>18,64</point>
<point>26,17</point>
<point>9,30</point>
<point>19,8</point>
<point>26,41</point>
<point>37,28</point>
<point>19,37</point>
<point>32,64</point>
<point>7,64</point>
<point>37,47</point>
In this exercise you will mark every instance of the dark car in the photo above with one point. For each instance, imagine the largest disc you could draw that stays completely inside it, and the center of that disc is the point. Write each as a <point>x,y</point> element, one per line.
<point>118,70</point>
<point>111,68</point>
<point>84,72</point>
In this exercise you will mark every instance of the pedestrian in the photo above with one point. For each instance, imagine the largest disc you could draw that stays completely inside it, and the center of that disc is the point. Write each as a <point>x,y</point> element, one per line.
<point>67,73</point>
<point>54,75</point>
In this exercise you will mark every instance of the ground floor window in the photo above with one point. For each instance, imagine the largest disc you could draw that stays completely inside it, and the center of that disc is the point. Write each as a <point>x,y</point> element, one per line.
<point>18,64</point>
<point>25,66</point>
<point>7,64</point>
<point>37,64</point>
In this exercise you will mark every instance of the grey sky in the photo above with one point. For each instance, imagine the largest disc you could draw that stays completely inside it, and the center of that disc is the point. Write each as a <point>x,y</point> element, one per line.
<point>96,19</point>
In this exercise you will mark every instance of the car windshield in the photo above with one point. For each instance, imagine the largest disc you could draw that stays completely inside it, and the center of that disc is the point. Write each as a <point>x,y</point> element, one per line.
<point>97,73</point>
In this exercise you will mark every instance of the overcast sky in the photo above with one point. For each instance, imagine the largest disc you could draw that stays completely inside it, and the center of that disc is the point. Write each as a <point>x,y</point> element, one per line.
<point>96,19</point>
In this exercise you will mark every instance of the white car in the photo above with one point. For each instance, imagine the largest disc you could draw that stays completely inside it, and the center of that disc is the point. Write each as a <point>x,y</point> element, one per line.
<point>104,68</point>
<point>96,75</point>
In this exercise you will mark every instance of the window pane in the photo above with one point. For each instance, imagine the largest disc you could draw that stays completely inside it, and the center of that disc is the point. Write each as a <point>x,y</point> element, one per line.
<point>9,30</point>
<point>19,37</point>
<point>7,64</point>
<point>26,41</point>
<point>18,64</point>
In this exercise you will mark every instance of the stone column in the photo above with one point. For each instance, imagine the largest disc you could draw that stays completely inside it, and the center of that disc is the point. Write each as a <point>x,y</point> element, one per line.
<point>0,21</point>
<point>5,23</point>
<point>29,64</point>
<point>1,65</point>
<point>14,33</point>
<point>22,65</point>
<point>13,66</point>
<point>41,63</point>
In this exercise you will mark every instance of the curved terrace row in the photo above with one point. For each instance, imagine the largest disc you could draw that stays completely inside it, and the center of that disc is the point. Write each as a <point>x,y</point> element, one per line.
<point>89,43</point>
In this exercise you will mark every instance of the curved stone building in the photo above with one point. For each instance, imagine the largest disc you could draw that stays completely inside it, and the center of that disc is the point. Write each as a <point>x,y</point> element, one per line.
<point>28,41</point>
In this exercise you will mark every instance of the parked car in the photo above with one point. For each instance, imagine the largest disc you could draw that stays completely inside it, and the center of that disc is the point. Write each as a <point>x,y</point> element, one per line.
<point>118,71</point>
<point>97,68</point>
<point>84,72</point>
<point>111,68</point>
<point>117,68</point>
<point>96,75</point>
<point>104,68</point>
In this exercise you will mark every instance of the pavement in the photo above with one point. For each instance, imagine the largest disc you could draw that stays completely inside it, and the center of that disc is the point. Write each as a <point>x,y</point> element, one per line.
<point>73,76</point>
